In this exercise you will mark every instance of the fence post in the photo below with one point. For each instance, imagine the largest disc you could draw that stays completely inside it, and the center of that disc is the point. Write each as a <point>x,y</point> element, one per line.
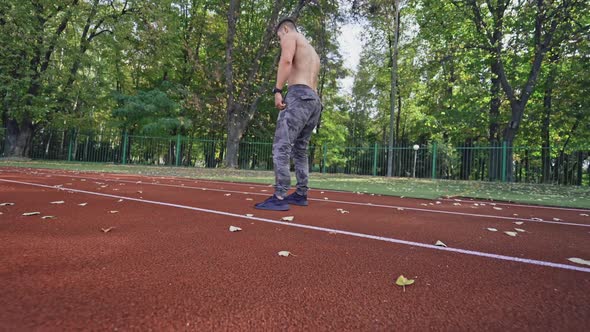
<point>375,160</point>
<point>70,145</point>
<point>504,158</point>
<point>124,156</point>
<point>434,160</point>
<point>325,148</point>
<point>177,150</point>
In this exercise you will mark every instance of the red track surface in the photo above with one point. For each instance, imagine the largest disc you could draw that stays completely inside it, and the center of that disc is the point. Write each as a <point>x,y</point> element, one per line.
<point>171,268</point>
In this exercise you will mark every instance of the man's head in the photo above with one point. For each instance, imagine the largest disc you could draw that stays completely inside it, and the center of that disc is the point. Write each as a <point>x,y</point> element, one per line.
<point>285,26</point>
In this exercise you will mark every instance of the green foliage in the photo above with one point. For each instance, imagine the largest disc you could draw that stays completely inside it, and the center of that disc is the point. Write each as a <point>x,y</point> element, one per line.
<point>149,112</point>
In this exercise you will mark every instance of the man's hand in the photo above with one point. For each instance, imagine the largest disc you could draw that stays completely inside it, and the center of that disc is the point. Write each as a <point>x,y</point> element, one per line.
<point>279,102</point>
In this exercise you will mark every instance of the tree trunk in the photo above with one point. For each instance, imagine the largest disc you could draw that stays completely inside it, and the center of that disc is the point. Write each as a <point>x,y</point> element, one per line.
<point>18,138</point>
<point>240,112</point>
<point>393,52</point>
<point>547,108</point>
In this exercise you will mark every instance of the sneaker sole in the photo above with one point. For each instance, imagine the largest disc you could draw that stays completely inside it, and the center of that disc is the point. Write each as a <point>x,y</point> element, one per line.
<point>272,209</point>
<point>299,204</point>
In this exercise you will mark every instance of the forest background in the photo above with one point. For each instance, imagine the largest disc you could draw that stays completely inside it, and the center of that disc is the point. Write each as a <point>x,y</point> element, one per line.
<point>457,72</point>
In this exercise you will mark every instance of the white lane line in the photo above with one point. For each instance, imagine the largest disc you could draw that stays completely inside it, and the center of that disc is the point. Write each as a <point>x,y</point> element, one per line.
<point>322,229</point>
<point>181,179</point>
<point>515,204</point>
<point>345,202</point>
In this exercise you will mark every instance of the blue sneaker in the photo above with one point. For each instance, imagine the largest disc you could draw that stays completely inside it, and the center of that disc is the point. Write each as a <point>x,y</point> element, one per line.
<point>297,199</point>
<point>274,204</point>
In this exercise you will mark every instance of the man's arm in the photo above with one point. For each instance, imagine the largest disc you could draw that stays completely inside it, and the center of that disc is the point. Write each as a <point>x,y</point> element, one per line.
<point>288,46</point>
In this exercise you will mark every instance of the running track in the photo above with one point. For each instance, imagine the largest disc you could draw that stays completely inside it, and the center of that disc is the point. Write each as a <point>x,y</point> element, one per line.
<point>170,262</point>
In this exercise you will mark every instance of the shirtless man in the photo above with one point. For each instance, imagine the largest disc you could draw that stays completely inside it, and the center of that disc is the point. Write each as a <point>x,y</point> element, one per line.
<point>299,114</point>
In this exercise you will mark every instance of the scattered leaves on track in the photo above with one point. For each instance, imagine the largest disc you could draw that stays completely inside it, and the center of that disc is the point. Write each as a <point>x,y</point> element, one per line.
<point>579,261</point>
<point>234,229</point>
<point>403,282</point>
<point>28,214</point>
<point>440,244</point>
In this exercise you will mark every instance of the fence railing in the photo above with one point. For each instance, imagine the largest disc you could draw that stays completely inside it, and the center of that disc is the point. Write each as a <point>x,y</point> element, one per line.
<point>498,162</point>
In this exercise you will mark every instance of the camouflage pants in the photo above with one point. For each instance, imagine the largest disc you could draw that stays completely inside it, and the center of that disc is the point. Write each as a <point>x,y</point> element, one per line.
<point>294,128</point>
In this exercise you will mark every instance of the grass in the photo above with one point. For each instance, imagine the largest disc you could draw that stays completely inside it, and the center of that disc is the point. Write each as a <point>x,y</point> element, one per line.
<point>539,194</point>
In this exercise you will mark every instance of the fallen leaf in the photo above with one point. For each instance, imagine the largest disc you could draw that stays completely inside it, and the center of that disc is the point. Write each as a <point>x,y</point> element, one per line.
<point>497,208</point>
<point>234,229</point>
<point>400,209</point>
<point>140,192</point>
<point>437,202</point>
<point>519,222</point>
<point>456,204</point>
<point>424,204</point>
<point>557,219</point>
<point>579,261</point>
<point>6,204</point>
<point>492,229</point>
<point>106,230</point>
<point>113,211</point>
<point>249,199</point>
<point>31,213</point>
<point>285,253</point>
<point>249,215</point>
<point>510,233</point>
<point>584,214</point>
<point>226,194</point>
<point>520,230</point>
<point>119,201</point>
<point>440,244</point>
<point>83,204</point>
<point>326,198</point>
<point>342,211</point>
<point>288,218</point>
<point>403,282</point>
<point>537,219</point>
<point>48,217</point>
<point>57,202</point>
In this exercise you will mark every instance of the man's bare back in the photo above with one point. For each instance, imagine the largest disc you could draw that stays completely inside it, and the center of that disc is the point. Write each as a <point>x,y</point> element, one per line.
<point>306,64</point>
<point>299,63</point>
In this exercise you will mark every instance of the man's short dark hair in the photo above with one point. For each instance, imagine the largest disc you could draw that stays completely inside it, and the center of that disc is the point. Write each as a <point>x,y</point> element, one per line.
<point>288,22</point>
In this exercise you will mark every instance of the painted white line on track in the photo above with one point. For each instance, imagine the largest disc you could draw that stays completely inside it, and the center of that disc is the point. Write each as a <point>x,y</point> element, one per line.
<point>172,178</point>
<point>322,229</point>
<point>490,202</point>
<point>344,202</point>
